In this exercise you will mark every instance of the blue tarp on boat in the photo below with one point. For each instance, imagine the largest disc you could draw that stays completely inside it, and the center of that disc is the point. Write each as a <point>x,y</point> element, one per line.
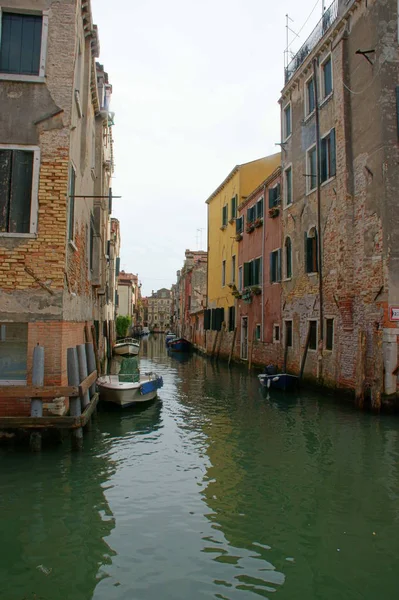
<point>151,386</point>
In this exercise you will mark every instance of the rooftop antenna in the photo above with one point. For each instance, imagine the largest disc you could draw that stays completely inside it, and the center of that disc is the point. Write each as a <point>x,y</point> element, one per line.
<point>288,29</point>
<point>198,237</point>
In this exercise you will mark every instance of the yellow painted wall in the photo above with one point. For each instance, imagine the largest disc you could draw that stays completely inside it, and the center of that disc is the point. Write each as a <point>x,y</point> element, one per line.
<point>221,243</point>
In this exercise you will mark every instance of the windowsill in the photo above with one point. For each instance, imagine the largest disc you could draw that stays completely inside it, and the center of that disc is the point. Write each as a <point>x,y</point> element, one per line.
<point>93,174</point>
<point>22,78</point>
<point>285,140</point>
<point>313,274</point>
<point>326,99</point>
<point>309,117</point>
<point>19,235</point>
<point>276,341</point>
<point>327,181</point>
<point>13,382</point>
<point>232,220</point>
<point>287,279</point>
<point>288,206</point>
<point>312,350</point>
<point>310,192</point>
<point>73,245</point>
<point>223,227</point>
<point>78,104</point>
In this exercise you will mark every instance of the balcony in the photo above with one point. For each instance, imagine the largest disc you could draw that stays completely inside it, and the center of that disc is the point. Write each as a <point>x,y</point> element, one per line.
<point>330,16</point>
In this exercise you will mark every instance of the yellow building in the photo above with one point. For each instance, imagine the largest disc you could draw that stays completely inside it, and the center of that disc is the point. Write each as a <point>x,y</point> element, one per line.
<point>222,244</point>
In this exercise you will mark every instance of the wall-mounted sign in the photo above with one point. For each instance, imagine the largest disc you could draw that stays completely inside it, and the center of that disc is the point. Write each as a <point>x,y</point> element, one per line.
<point>394,313</point>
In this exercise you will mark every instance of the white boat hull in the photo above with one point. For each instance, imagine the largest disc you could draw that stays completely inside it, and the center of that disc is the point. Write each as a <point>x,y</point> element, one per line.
<point>127,347</point>
<point>124,394</point>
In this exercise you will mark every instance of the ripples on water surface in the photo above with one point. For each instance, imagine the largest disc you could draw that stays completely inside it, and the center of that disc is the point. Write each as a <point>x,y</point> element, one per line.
<point>214,491</point>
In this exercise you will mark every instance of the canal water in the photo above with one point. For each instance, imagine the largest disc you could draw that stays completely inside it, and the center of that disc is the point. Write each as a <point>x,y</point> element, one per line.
<point>214,491</point>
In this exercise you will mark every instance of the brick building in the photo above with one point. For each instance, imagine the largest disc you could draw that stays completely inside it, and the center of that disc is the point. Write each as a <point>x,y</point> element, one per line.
<point>55,156</point>
<point>192,284</point>
<point>340,210</point>
<point>258,289</point>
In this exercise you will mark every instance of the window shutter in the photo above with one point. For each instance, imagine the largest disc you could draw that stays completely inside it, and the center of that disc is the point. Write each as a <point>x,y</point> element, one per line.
<point>247,276</point>
<point>259,208</point>
<point>213,319</point>
<point>316,249</point>
<point>278,193</point>
<point>5,176</point>
<point>323,160</point>
<point>271,197</point>
<point>117,266</point>
<point>279,264</point>
<point>110,200</point>
<point>397,110</point>
<point>271,263</point>
<point>306,258</point>
<point>21,191</point>
<point>239,225</point>
<point>333,154</point>
<point>207,319</point>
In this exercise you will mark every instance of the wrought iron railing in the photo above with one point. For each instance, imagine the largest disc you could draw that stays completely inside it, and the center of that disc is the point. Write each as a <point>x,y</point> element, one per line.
<point>329,17</point>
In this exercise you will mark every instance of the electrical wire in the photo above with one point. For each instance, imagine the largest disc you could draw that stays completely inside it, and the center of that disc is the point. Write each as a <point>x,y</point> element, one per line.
<point>305,23</point>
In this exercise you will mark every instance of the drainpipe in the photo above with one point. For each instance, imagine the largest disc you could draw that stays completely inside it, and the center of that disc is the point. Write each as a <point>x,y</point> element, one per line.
<point>263,260</point>
<point>319,237</point>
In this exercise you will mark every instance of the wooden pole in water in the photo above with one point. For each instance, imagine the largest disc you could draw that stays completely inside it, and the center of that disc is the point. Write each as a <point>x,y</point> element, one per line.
<point>36,406</point>
<point>305,353</point>
<point>82,363</point>
<point>220,340</point>
<point>251,344</point>
<point>95,347</point>
<point>361,369</point>
<point>91,365</point>
<point>74,403</point>
<point>214,344</point>
<point>232,346</point>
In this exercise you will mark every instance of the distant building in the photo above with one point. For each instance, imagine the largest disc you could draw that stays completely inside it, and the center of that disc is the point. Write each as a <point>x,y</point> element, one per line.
<point>128,296</point>
<point>192,282</point>
<point>160,310</point>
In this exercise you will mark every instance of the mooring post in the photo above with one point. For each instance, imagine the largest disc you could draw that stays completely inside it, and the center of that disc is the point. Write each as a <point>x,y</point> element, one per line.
<point>91,365</point>
<point>74,403</point>
<point>82,362</point>
<point>36,406</point>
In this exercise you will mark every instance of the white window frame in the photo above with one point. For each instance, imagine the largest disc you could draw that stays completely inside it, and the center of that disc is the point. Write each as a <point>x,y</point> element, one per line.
<point>285,136</point>
<point>328,318</point>
<point>310,190</point>
<point>240,280</point>
<point>306,102</point>
<point>34,202</point>
<point>325,97</point>
<point>5,382</point>
<point>286,205</point>
<point>284,258</point>
<point>40,78</point>
<point>258,327</point>
<point>323,137</point>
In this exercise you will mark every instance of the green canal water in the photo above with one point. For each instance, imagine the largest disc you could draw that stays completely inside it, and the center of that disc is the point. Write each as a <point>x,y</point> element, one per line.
<point>214,491</point>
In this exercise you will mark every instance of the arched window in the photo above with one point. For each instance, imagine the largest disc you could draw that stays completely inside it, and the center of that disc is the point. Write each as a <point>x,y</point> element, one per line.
<point>311,262</point>
<point>288,258</point>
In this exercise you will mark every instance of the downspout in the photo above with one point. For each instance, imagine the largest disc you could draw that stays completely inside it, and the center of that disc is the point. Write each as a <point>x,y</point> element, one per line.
<point>207,277</point>
<point>263,260</point>
<point>319,238</point>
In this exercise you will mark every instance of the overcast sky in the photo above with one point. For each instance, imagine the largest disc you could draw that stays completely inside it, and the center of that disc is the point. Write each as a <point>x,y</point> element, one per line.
<point>195,92</point>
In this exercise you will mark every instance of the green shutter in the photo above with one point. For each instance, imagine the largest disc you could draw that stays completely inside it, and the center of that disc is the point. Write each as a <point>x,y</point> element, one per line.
<point>21,37</point>
<point>333,154</point>
<point>316,247</point>
<point>21,192</point>
<point>397,110</point>
<point>323,160</point>
<point>279,264</point>
<point>5,185</point>
<point>271,265</point>
<point>117,266</point>
<point>259,209</point>
<point>306,258</point>
<point>247,274</point>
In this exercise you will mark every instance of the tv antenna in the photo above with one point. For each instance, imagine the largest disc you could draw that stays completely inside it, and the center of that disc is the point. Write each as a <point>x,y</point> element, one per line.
<point>198,237</point>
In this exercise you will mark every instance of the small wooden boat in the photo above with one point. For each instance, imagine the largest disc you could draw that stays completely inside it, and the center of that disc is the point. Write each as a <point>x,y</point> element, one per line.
<point>118,390</point>
<point>179,345</point>
<point>127,347</point>
<point>169,337</point>
<point>279,381</point>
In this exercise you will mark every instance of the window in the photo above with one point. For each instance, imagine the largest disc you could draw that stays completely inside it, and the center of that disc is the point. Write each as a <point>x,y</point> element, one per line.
<point>217,318</point>
<point>288,186</point>
<point>232,318</point>
<point>327,84</point>
<point>327,158</point>
<point>311,259</point>
<point>287,122</point>
<point>93,150</point>
<point>275,266</point>
<point>233,269</point>
<point>91,243</point>
<point>239,225</point>
<point>276,333</point>
<point>71,210</point>
<point>329,334</point>
<point>252,272</point>
<point>224,215</point>
<point>259,208</point>
<point>288,334</point>
<point>23,45</point>
<point>288,258</point>
<point>234,206</point>
<point>240,279</point>
<point>257,332</point>
<point>13,352</point>
<point>223,273</point>
<point>309,97</point>
<point>189,303</point>
<point>311,169</point>
<point>251,215</point>
<point>19,183</point>
<point>312,335</point>
<point>274,196</point>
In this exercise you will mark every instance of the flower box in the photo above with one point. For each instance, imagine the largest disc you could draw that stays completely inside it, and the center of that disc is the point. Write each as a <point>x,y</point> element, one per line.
<point>250,227</point>
<point>258,222</point>
<point>238,237</point>
<point>274,212</point>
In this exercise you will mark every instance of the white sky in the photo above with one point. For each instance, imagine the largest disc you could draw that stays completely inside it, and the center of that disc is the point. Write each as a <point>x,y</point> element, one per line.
<point>195,92</point>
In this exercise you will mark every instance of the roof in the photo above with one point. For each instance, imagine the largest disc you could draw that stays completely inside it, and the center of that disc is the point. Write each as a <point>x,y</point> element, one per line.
<point>233,172</point>
<point>276,173</point>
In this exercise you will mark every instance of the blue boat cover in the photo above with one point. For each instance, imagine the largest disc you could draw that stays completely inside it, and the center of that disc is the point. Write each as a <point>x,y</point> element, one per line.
<point>151,386</point>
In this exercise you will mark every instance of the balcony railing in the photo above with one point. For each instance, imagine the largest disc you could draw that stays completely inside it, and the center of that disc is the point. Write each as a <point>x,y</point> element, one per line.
<point>329,17</point>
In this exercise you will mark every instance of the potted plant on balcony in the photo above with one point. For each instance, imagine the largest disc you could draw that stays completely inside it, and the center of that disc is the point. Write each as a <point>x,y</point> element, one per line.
<point>258,222</point>
<point>256,290</point>
<point>250,227</point>
<point>238,237</point>
<point>274,212</point>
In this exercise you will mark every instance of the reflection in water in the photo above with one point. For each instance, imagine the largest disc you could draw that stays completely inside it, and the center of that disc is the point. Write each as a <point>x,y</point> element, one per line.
<point>214,490</point>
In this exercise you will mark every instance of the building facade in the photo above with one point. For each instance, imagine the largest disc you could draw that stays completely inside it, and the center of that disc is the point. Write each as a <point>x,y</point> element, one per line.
<point>340,119</point>
<point>192,284</point>
<point>223,249</point>
<point>258,288</point>
<point>55,142</point>
<point>160,310</point>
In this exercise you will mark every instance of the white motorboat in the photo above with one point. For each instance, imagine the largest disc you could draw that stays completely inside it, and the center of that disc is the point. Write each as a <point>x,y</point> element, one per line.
<point>118,390</point>
<point>127,347</point>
